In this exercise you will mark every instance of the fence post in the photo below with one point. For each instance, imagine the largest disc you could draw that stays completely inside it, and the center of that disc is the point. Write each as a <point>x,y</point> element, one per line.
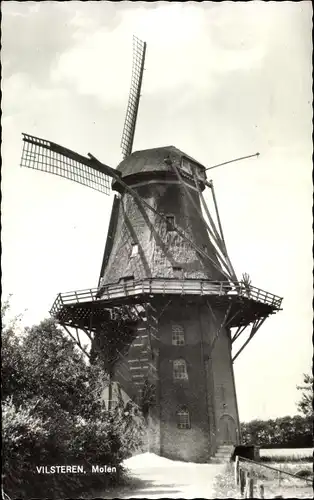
<point>279,476</point>
<point>246,486</point>
<point>237,471</point>
<point>261,491</point>
<point>249,485</point>
<point>242,481</point>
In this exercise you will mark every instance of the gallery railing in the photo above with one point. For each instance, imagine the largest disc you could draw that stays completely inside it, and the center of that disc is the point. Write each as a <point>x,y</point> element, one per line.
<point>153,286</point>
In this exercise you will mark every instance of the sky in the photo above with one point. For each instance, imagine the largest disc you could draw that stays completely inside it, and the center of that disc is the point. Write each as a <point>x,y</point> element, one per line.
<point>222,80</point>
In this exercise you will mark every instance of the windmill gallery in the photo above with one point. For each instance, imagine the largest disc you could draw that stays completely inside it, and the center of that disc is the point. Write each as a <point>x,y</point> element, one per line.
<point>168,309</point>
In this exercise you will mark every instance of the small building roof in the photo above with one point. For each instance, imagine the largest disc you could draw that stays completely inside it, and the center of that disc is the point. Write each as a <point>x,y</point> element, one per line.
<point>153,160</point>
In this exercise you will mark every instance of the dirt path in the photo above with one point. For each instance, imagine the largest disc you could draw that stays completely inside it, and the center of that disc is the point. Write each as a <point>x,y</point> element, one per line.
<point>157,477</point>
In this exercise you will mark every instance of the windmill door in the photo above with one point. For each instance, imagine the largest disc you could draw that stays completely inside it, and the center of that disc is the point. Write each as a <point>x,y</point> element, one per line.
<point>227,430</point>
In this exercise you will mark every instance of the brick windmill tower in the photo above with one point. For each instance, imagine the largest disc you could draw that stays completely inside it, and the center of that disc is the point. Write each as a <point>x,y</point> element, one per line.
<point>168,308</point>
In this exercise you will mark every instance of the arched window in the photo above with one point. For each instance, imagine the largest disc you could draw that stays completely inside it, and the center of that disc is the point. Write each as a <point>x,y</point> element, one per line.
<point>178,335</point>
<point>179,370</point>
<point>183,419</point>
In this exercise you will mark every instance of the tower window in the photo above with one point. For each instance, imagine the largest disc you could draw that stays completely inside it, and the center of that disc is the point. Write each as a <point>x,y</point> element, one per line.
<point>179,370</point>
<point>124,279</point>
<point>134,249</point>
<point>178,335</point>
<point>170,222</point>
<point>200,173</point>
<point>186,165</point>
<point>183,419</point>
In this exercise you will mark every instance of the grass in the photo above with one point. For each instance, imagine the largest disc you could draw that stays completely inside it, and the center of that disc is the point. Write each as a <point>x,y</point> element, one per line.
<point>224,486</point>
<point>285,459</point>
<point>286,455</point>
<point>286,486</point>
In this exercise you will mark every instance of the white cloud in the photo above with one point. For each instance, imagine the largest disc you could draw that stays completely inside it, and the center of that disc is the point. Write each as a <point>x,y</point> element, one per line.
<point>180,55</point>
<point>222,80</point>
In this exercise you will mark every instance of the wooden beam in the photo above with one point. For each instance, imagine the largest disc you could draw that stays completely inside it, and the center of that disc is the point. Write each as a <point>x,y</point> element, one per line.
<point>211,186</point>
<point>219,330</point>
<point>79,345</point>
<point>214,237</point>
<point>220,227</point>
<point>212,311</point>
<point>87,333</point>
<point>77,336</point>
<point>232,317</point>
<point>224,264</point>
<point>238,333</point>
<point>256,325</point>
<point>220,237</point>
<point>164,308</point>
<point>231,161</point>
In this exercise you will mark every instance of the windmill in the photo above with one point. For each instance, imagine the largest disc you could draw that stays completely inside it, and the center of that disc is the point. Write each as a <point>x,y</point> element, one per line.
<point>169,309</point>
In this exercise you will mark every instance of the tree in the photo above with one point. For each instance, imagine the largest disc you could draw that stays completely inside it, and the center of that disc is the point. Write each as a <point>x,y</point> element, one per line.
<point>305,405</point>
<point>288,432</point>
<point>53,414</point>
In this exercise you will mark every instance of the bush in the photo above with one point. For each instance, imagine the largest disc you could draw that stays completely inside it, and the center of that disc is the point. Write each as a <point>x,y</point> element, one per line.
<point>284,432</point>
<point>285,458</point>
<point>53,414</point>
<point>304,473</point>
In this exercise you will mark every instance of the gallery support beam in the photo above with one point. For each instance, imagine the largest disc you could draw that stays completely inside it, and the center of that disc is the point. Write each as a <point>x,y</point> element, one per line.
<point>238,332</point>
<point>77,342</point>
<point>256,325</point>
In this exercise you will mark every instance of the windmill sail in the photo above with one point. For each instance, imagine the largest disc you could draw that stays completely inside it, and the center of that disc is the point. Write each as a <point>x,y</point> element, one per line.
<point>50,157</point>
<point>139,50</point>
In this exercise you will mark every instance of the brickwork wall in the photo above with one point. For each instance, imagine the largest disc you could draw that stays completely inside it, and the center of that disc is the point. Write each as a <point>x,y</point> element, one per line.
<point>209,392</point>
<point>223,381</point>
<point>220,371</point>
<point>153,434</point>
<point>187,444</point>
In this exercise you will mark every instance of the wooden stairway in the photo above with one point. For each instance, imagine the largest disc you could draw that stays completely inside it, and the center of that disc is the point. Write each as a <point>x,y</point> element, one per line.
<point>138,366</point>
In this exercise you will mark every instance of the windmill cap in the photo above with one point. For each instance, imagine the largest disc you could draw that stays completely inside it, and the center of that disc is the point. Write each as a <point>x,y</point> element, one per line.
<point>153,161</point>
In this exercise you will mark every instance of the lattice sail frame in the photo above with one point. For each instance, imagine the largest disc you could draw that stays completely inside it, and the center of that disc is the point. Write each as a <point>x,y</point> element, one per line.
<point>47,156</point>
<point>139,51</point>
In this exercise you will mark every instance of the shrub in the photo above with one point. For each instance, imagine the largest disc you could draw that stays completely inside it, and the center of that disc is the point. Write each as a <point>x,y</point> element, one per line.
<point>53,414</point>
<point>304,473</point>
<point>285,458</point>
<point>283,432</point>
